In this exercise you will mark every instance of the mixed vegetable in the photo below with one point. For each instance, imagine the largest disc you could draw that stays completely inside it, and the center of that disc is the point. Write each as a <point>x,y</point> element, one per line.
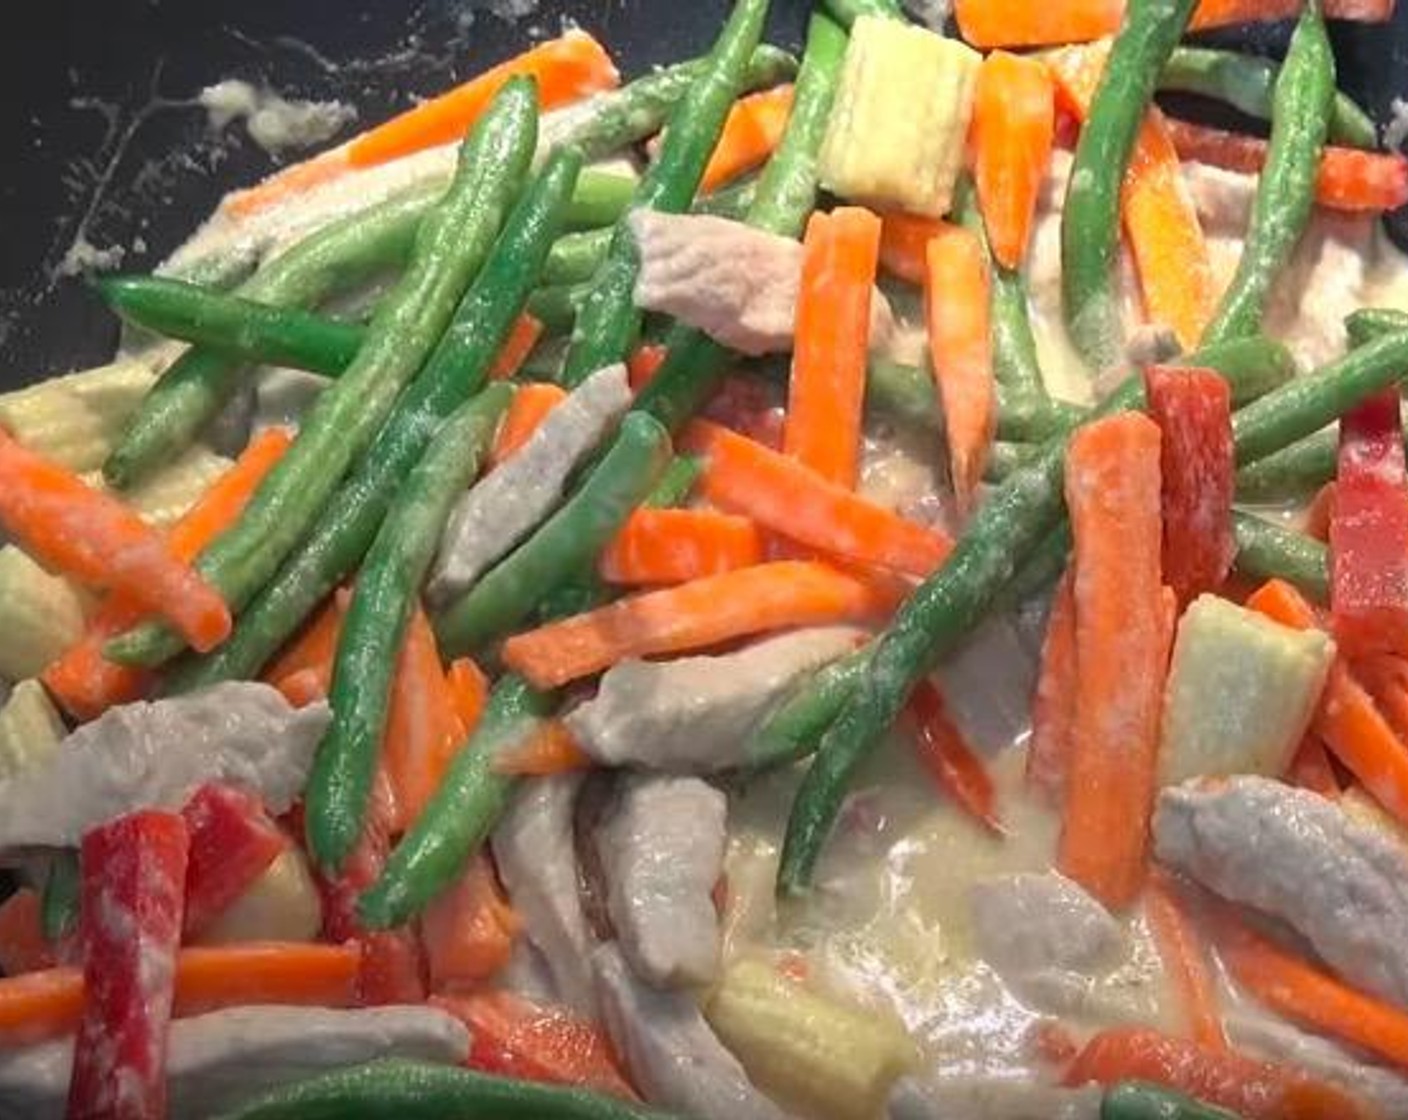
<point>865,585</point>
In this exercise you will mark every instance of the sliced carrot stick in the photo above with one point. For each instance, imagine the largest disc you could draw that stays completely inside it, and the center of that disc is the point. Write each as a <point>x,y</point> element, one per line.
<point>549,750</point>
<point>526,412</point>
<point>751,134</point>
<point>1385,676</point>
<point>1308,995</point>
<point>314,647</point>
<point>678,545</point>
<point>22,944</point>
<point>1349,179</point>
<point>826,395</point>
<point>566,69</point>
<point>951,762</point>
<point>1223,13</point>
<point>87,534</point>
<point>1185,961</point>
<point>527,330</point>
<point>1054,707</point>
<point>904,244</point>
<point>1122,624</point>
<point>83,680</point>
<point>43,1005</point>
<point>1013,129</point>
<point>1348,721</point>
<point>957,293</point>
<point>783,496</point>
<point>1170,251</point>
<point>1312,769</point>
<point>469,929</point>
<point>693,616</point>
<point>469,691</point>
<point>644,364</point>
<point>422,729</point>
<point>302,688</point>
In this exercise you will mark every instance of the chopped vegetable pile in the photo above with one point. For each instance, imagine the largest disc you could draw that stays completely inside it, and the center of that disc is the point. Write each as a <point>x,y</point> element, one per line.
<point>864,585</point>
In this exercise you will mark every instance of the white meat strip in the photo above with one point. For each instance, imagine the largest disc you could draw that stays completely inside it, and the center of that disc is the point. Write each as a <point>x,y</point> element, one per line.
<point>737,284</point>
<point>217,1061</point>
<point>157,754</point>
<point>511,500</point>
<point>1030,922</point>
<point>990,1098</point>
<point>662,851</point>
<point>671,1053</point>
<point>695,714</point>
<point>1295,855</point>
<point>537,860</point>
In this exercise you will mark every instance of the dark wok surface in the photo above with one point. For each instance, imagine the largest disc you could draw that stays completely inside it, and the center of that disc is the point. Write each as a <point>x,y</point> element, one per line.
<point>96,135</point>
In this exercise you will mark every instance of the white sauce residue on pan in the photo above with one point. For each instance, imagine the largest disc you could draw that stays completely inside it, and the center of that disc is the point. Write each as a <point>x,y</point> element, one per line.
<point>274,123</point>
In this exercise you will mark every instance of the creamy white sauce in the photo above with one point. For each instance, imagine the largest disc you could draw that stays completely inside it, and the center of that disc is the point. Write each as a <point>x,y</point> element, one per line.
<point>277,125</point>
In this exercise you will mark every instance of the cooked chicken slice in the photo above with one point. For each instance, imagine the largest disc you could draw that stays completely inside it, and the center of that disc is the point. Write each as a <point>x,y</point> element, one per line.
<point>1295,855</point>
<point>662,851</point>
<point>1030,923</point>
<point>157,754</point>
<point>672,1055</point>
<point>695,714</point>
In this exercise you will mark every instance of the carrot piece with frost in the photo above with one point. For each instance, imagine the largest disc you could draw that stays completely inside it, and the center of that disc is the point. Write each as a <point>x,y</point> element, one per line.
<point>1053,709</point>
<point>527,330</point>
<point>23,947</point>
<point>314,649</point>
<point>469,929</point>
<point>422,730</point>
<point>644,364</point>
<point>551,749</point>
<point>469,691</point>
<point>751,133</point>
<point>526,412</point>
<point>660,546</point>
<point>904,244</point>
<point>1185,960</point>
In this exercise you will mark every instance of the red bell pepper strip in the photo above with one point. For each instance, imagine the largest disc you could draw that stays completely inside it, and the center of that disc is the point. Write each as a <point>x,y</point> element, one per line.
<point>22,944</point>
<point>1369,532</point>
<point>134,876</point>
<point>951,762</point>
<point>514,1037</point>
<point>1193,408</point>
<point>233,842</point>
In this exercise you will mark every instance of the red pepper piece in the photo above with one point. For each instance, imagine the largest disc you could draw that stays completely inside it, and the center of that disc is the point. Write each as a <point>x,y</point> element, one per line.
<point>958,772</point>
<point>233,842</point>
<point>134,876</point>
<point>1369,531</point>
<point>1193,408</point>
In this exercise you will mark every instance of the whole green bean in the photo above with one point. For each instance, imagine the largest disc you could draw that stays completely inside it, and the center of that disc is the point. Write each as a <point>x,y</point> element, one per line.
<point>465,808</point>
<point>200,382</point>
<point>846,12</point>
<point>1269,551</point>
<point>1026,418</point>
<point>1253,365</point>
<point>451,245</point>
<point>1005,531</point>
<point>410,1090</point>
<point>1285,191</point>
<point>1006,458</point>
<point>383,598</point>
<point>1292,472</point>
<point>1090,220</point>
<point>676,482</point>
<point>58,906</point>
<point>1369,323</point>
<point>563,545</point>
<point>608,323</point>
<point>556,307</point>
<point>1248,84</point>
<point>456,370</point>
<point>617,119</point>
<point>790,733</point>
<point>901,391</point>
<point>1135,1100</point>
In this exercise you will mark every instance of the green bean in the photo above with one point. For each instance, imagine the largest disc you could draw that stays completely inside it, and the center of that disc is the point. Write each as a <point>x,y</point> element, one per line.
<point>1135,1100</point>
<point>846,12</point>
<point>556,307</point>
<point>385,594</point>
<point>1026,419</point>
<point>456,370</point>
<point>451,246</point>
<point>1248,83</point>
<point>1008,457</point>
<point>200,382</point>
<point>1254,365</point>
<point>902,391</point>
<point>1292,472</point>
<point>412,1090</point>
<point>1369,323</point>
<point>565,544</point>
<point>790,733</point>
<point>1285,191</point>
<point>1269,551</point>
<point>609,322</point>
<point>1018,517</point>
<point>464,810</point>
<point>600,199</point>
<point>676,482</point>
<point>1090,220</point>
<point>623,117</point>
<point>58,906</point>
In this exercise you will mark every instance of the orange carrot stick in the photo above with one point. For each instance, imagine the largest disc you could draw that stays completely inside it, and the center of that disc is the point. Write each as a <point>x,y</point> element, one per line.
<point>23,947</point>
<point>1349,179</point>
<point>307,686</point>
<point>1122,638</point>
<point>468,930</point>
<point>526,412</point>
<point>566,69</point>
<point>527,330</point>
<point>904,245</point>
<point>70,527</point>
<point>958,772</point>
<point>956,300</point>
<point>551,749</point>
<point>678,545</point>
<point>783,496</point>
<point>39,1006</point>
<point>1348,721</point>
<point>644,364</point>
<point>422,729</point>
<point>469,691</point>
<point>1013,129</point>
<point>751,134</point>
<point>1170,252</point>
<point>826,397</point>
<point>83,680</point>
<point>1321,513</point>
<point>1185,961</point>
<point>1308,995</point>
<point>693,616</point>
<point>314,648</point>
<point>1053,709</point>
<point>1312,769</point>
